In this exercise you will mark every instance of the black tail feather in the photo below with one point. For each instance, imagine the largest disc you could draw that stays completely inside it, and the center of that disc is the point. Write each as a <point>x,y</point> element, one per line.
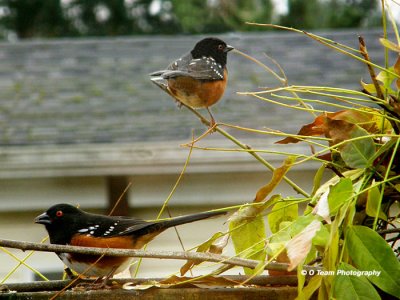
<point>191,218</point>
<point>160,226</point>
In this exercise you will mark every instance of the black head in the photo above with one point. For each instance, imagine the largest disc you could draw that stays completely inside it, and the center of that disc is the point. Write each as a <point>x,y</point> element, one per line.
<point>61,222</point>
<point>212,47</point>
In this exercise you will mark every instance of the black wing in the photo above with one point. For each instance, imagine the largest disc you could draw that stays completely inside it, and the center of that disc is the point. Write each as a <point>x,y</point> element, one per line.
<point>204,68</point>
<point>104,226</point>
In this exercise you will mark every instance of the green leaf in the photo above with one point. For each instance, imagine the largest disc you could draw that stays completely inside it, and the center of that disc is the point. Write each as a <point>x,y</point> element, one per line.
<point>277,243</point>
<point>284,225</point>
<point>282,211</point>
<point>312,286</point>
<point>373,199</point>
<point>385,148</point>
<point>249,239</point>
<point>301,280</point>
<point>339,194</point>
<point>318,178</point>
<point>258,269</point>
<point>301,223</point>
<point>346,286</point>
<point>332,251</point>
<point>321,238</point>
<point>279,240</point>
<point>370,252</point>
<point>357,153</point>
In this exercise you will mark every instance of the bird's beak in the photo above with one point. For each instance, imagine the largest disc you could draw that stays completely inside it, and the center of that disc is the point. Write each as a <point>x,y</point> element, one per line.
<point>228,48</point>
<point>43,219</point>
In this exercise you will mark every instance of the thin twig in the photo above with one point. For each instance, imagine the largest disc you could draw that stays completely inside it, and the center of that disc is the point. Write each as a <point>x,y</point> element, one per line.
<point>165,204</point>
<point>22,261</point>
<point>282,80</point>
<point>329,43</point>
<point>120,198</point>
<point>75,280</point>
<point>196,256</point>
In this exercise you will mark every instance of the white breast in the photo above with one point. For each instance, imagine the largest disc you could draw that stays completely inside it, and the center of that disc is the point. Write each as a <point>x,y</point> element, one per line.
<point>82,268</point>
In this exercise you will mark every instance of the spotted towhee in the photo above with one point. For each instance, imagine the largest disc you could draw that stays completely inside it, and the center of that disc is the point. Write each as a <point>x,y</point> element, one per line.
<point>197,79</point>
<point>68,225</point>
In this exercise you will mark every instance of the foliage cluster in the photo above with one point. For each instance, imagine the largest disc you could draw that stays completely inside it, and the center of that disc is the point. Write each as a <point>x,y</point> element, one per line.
<point>350,227</point>
<point>65,18</point>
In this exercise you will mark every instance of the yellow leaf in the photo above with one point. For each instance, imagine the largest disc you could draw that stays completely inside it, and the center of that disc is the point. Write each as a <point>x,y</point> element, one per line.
<point>390,45</point>
<point>283,211</point>
<point>369,87</point>
<point>248,238</point>
<point>396,69</point>
<point>374,196</point>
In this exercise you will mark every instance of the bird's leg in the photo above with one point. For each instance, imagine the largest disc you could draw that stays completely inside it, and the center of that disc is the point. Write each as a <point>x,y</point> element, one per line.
<point>212,120</point>
<point>101,282</point>
<point>109,275</point>
<point>178,103</point>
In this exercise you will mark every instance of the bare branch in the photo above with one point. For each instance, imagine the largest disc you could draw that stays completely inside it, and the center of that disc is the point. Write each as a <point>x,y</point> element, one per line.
<point>195,256</point>
<point>364,53</point>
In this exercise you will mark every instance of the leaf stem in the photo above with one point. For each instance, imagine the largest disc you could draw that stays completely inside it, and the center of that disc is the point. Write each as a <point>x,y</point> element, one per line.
<point>388,169</point>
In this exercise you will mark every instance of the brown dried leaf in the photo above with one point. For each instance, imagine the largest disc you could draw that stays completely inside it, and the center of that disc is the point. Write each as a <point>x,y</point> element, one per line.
<point>338,130</point>
<point>203,282</point>
<point>315,128</point>
<point>188,266</point>
<point>322,126</point>
<point>298,247</point>
<point>326,156</point>
<point>282,258</point>
<point>207,246</point>
<point>277,176</point>
<point>363,119</point>
<point>142,286</point>
<point>325,124</point>
<point>396,66</point>
<point>219,245</point>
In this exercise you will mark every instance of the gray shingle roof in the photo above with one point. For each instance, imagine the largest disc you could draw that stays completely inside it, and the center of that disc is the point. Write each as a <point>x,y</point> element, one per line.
<point>88,91</point>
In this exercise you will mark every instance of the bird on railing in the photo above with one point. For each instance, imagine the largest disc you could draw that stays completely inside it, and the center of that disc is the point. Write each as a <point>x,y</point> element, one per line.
<point>68,225</point>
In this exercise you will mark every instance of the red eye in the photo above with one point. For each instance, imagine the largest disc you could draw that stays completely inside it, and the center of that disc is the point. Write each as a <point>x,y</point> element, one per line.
<point>59,213</point>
